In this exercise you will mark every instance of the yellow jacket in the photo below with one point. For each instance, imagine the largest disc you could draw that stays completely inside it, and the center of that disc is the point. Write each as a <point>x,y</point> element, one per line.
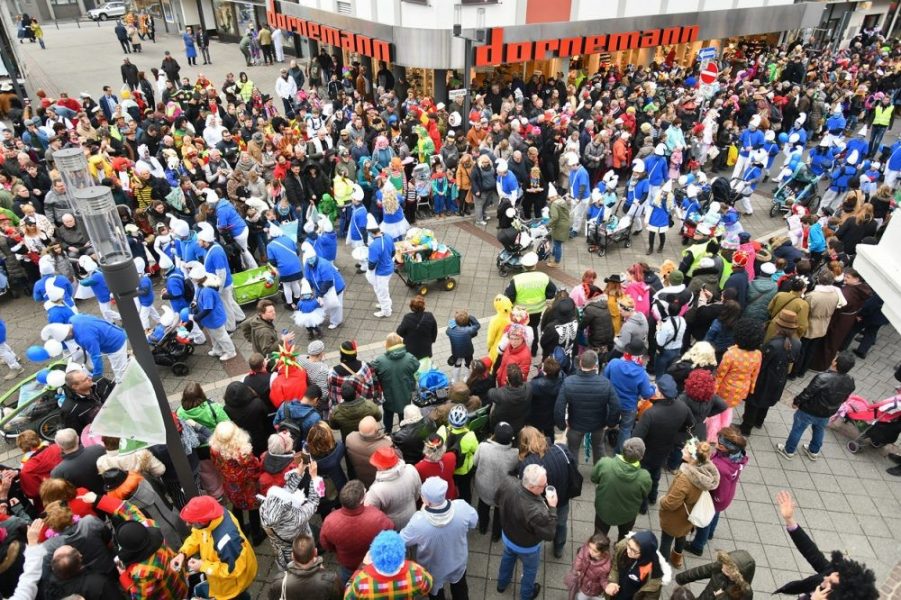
<point>498,324</point>
<point>228,571</point>
<point>344,189</point>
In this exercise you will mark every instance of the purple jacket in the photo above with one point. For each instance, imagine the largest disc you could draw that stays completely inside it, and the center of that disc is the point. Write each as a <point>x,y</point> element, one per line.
<point>729,473</point>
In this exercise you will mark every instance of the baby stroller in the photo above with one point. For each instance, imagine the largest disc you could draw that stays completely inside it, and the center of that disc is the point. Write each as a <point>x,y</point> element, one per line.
<point>802,188</point>
<point>868,418</point>
<point>601,235</point>
<point>171,347</point>
<point>433,387</point>
<point>721,190</point>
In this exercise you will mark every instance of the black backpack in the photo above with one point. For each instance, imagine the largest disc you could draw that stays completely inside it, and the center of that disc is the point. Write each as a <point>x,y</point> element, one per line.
<point>189,291</point>
<point>452,444</point>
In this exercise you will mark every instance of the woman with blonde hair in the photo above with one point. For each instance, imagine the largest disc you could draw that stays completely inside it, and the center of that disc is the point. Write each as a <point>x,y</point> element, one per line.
<point>531,443</point>
<point>859,226</point>
<point>696,475</point>
<point>614,291</point>
<point>394,224</point>
<point>232,455</point>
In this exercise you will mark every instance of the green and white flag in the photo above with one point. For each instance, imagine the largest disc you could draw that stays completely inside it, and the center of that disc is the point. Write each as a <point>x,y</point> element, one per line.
<point>131,411</point>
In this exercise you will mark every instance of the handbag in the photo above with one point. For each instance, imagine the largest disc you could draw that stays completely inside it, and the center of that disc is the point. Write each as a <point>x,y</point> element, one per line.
<point>574,489</point>
<point>702,512</point>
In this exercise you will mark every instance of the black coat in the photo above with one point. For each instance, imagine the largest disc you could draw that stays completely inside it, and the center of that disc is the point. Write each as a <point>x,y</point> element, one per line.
<point>410,438</point>
<point>659,427</point>
<point>510,404</point>
<point>250,413</point>
<point>586,402</point>
<point>544,398</point>
<point>80,468</point>
<point>774,370</point>
<point>598,324</point>
<point>825,393</point>
<point>814,557</point>
<point>419,330</point>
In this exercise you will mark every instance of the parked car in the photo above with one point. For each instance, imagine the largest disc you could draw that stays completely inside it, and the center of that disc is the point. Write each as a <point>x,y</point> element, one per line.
<point>110,9</point>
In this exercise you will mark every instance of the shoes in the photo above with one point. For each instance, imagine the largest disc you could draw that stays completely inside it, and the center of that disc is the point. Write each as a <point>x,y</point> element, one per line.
<point>650,251</point>
<point>552,264</point>
<point>381,314</point>
<point>692,550</point>
<point>780,448</point>
<point>558,552</point>
<point>859,354</point>
<point>227,357</point>
<point>501,589</point>
<point>481,223</point>
<point>895,458</point>
<point>536,591</point>
<point>675,559</point>
<point>213,353</point>
<point>13,373</point>
<point>643,510</point>
<point>810,455</point>
<point>896,471</point>
<point>334,325</point>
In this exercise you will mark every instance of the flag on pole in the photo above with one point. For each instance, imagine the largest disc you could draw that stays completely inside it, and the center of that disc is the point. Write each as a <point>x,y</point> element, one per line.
<point>131,411</point>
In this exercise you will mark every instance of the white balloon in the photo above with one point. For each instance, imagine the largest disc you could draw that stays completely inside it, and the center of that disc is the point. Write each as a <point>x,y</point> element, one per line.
<point>53,348</point>
<point>56,378</point>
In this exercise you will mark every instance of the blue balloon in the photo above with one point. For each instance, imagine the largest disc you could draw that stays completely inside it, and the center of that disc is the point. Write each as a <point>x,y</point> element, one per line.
<point>42,376</point>
<point>184,314</point>
<point>37,354</point>
<point>783,138</point>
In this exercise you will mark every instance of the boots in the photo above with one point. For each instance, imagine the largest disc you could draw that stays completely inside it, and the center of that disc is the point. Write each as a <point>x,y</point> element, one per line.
<point>675,559</point>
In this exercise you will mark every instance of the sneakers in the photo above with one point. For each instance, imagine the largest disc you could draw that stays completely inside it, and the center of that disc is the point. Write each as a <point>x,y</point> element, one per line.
<point>780,448</point>
<point>481,223</point>
<point>334,325</point>
<point>808,453</point>
<point>381,314</point>
<point>13,373</point>
<point>227,357</point>
<point>213,353</point>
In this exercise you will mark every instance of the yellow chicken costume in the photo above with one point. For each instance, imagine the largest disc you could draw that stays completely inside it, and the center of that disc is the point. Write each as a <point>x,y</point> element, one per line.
<point>498,325</point>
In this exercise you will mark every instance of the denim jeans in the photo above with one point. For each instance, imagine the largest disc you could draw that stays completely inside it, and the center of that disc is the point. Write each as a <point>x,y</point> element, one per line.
<point>702,534</point>
<point>562,526</point>
<point>344,216</point>
<point>626,423</point>
<point>800,423</point>
<point>876,134</point>
<point>664,359</point>
<point>530,564</point>
<point>558,251</point>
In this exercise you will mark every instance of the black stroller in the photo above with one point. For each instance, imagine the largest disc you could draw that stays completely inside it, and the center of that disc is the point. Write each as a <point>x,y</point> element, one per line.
<point>172,350</point>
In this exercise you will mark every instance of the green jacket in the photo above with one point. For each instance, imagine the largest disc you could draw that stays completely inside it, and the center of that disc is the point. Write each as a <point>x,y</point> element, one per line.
<point>621,487</point>
<point>209,414</point>
<point>720,586</point>
<point>561,220</point>
<point>396,371</point>
<point>347,415</point>
<point>469,443</point>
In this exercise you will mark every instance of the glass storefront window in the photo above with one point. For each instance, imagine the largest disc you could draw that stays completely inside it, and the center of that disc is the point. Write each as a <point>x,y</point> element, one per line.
<point>225,18</point>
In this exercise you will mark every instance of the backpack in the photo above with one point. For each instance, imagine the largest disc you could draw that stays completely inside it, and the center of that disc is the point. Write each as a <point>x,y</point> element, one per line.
<point>189,290</point>
<point>702,512</point>
<point>452,444</point>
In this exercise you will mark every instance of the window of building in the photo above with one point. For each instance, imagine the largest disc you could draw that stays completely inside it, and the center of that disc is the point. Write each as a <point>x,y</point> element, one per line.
<point>871,21</point>
<point>344,8</point>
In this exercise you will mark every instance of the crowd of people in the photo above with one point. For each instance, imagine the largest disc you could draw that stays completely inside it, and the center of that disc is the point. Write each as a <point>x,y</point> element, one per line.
<point>670,366</point>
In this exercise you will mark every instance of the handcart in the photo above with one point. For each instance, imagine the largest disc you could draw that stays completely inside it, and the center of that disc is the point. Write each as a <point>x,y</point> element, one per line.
<point>420,273</point>
<point>254,284</point>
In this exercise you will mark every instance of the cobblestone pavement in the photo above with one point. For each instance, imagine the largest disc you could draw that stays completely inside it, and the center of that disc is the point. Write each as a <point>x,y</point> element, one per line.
<point>846,501</point>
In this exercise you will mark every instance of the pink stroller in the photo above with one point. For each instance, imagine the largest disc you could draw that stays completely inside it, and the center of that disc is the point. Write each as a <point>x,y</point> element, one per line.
<point>868,418</point>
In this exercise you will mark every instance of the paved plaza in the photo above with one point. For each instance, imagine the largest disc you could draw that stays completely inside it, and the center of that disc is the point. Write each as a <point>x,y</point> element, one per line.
<point>846,501</point>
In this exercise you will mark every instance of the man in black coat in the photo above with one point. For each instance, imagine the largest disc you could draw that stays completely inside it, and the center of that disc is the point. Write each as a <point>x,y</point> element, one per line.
<point>130,74</point>
<point>83,398</point>
<point>586,403</point>
<point>79,464</point>
<point>659,427</point>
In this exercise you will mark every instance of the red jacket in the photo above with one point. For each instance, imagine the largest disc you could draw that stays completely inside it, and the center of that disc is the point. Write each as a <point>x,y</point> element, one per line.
<point>350,532</point>
<point>521,356</point>
<point>36,469</point>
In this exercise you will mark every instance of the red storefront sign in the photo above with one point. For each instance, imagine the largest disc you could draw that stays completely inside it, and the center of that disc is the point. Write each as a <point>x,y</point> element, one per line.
<point>341,38</point>
<point>496,52</point>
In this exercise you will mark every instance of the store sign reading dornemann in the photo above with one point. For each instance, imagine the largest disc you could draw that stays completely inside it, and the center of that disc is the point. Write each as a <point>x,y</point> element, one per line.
<point>341,38</point>
<point>496,52</point>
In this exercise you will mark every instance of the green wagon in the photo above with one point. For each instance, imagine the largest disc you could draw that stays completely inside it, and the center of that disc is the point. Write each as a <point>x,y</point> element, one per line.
<point>422,273</point>
<point>254,284</point>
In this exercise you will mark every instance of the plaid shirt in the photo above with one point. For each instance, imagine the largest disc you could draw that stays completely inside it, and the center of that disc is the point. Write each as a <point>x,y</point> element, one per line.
<point>153,579</point>
<point>364,380</point>
<point>410,583</point>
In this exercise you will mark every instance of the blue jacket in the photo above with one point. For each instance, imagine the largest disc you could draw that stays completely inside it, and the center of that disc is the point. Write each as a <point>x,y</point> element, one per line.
<point>357,227</point>
<point>96,282</point>
<point>303,415</point>
<point>2,331</point>
<point>39,293</point>
<point>586,401</point>
<point>637,192</point>
<point>861,145</point>
<point>190,250</point>
<point>754,139</point>
<point>802,135</point>
<point>820,160</point>
<point>657,169</point>
<point>216,260</point>
<point>175,290</point>
<point>772,149</point>
<point>461,337</point>
<point>381,256</point>
<point>282,254</point>
<point>509,184</point>
<point>96,337</point>
<point>894,161</point>
<point>209,311</point>
<point>630,381</point>
<point>323,276</point>
<point>228,219</point>
<point>816,240</point>
<point>752,176</point>
<point>841,177</point>
<point>835,124</point>
<point>326,246</point>
<point>59,314</point>
<point>145,291</point>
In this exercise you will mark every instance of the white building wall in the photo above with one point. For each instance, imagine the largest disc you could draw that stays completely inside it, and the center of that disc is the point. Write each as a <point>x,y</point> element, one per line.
<point>384,12</point>
<point>589,10</point>
<point>363,9</point>
<point>681,6</point>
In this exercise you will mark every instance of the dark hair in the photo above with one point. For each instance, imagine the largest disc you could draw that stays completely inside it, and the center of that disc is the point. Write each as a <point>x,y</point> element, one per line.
<point>352,494</point>
<point>852,272</point>
<point>514,375</point>
<point>192,396</point>
<point>749,334</point>
<point>601,541</point>
<point>730,313</point>
<point>263,304</point>
<point>844,362</point>
<point>551,367</point>
<point>856,581</point>
<point>314,392</point>
<point>417,304</point>
<point>478,372</point>
<point>303,549</point>
<point>803,267</point>
<point>348,391</point>
<point>256,361</point>
<point>66,565</point>
<point>682,593</point>
<point>796,284</point>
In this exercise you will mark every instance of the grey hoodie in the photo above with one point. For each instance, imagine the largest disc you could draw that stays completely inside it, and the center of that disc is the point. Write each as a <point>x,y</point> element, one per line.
<point>635,327</point>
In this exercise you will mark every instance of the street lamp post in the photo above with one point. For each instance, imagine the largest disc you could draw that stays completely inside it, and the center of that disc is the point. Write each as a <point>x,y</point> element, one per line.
<point>467,55</point>
<point>97,211</point>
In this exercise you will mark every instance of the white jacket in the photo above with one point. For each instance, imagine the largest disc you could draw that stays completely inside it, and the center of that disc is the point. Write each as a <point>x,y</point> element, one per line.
<point>285,87</point>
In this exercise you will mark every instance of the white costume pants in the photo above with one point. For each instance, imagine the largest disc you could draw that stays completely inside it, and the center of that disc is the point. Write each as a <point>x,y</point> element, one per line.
<point>246,256</point>
<point>382,293</point>
<point>830,199</point>
<point>891,178</point>
<point>107,312</point>
<point>740,164</point>
<point>221,342</point>
<point>9,357</point>
<point>579,211</point>
<point>292,290</point>
<point>149,315</point>
<point>333,306</point>
<point>233,312</point>
<point>745,201</point>
<point>118,360</point>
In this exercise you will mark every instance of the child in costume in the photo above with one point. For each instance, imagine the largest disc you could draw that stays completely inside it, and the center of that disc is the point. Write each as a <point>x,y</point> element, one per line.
<point>309,312</point>
<point>499,322</point>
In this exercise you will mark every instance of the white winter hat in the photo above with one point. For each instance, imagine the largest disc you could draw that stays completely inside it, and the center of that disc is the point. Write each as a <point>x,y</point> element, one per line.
<point>211,196</point>
<point>572,159</point>
<point>206,235</point>
<point>529,259</point>
<point>54,292</point>
<point>863,131</point>
<point>357,193</point>
<point>660,149</point>
<point>325,224</point>
<point>168,317</point>
<point>501,165</point>
<point>165,262</point>
<point>853,158</point>
<point>770,135</point>
<point>197,272</point>
<point>305,287</point>
<point>140,265</point>
<point>767,268</point>
<point>275,231</point>
<point>755,122</point>
<point>551,191</point>
<point>371,223</point>
<point>179,227</point>
<point>46,266</point>
<point>87,263</point>
<point>692,191</point>
<point>638,166</point>
<point>56,331</point>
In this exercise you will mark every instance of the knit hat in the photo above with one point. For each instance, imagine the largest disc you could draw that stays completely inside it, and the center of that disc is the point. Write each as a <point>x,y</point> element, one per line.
<point>700,385</point>
<point>315,348</point>
<point>136,542</point>
<point>768,268</point>
<point>201,509</point>
<point>388,552</point>
<point>434,491</point>
<point>633,449</point>
<point>676,278</point>
<point>503,433</point>
<point>383,458</point>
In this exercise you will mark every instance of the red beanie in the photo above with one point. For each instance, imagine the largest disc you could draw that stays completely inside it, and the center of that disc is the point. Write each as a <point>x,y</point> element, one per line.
<point>700,385</point>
